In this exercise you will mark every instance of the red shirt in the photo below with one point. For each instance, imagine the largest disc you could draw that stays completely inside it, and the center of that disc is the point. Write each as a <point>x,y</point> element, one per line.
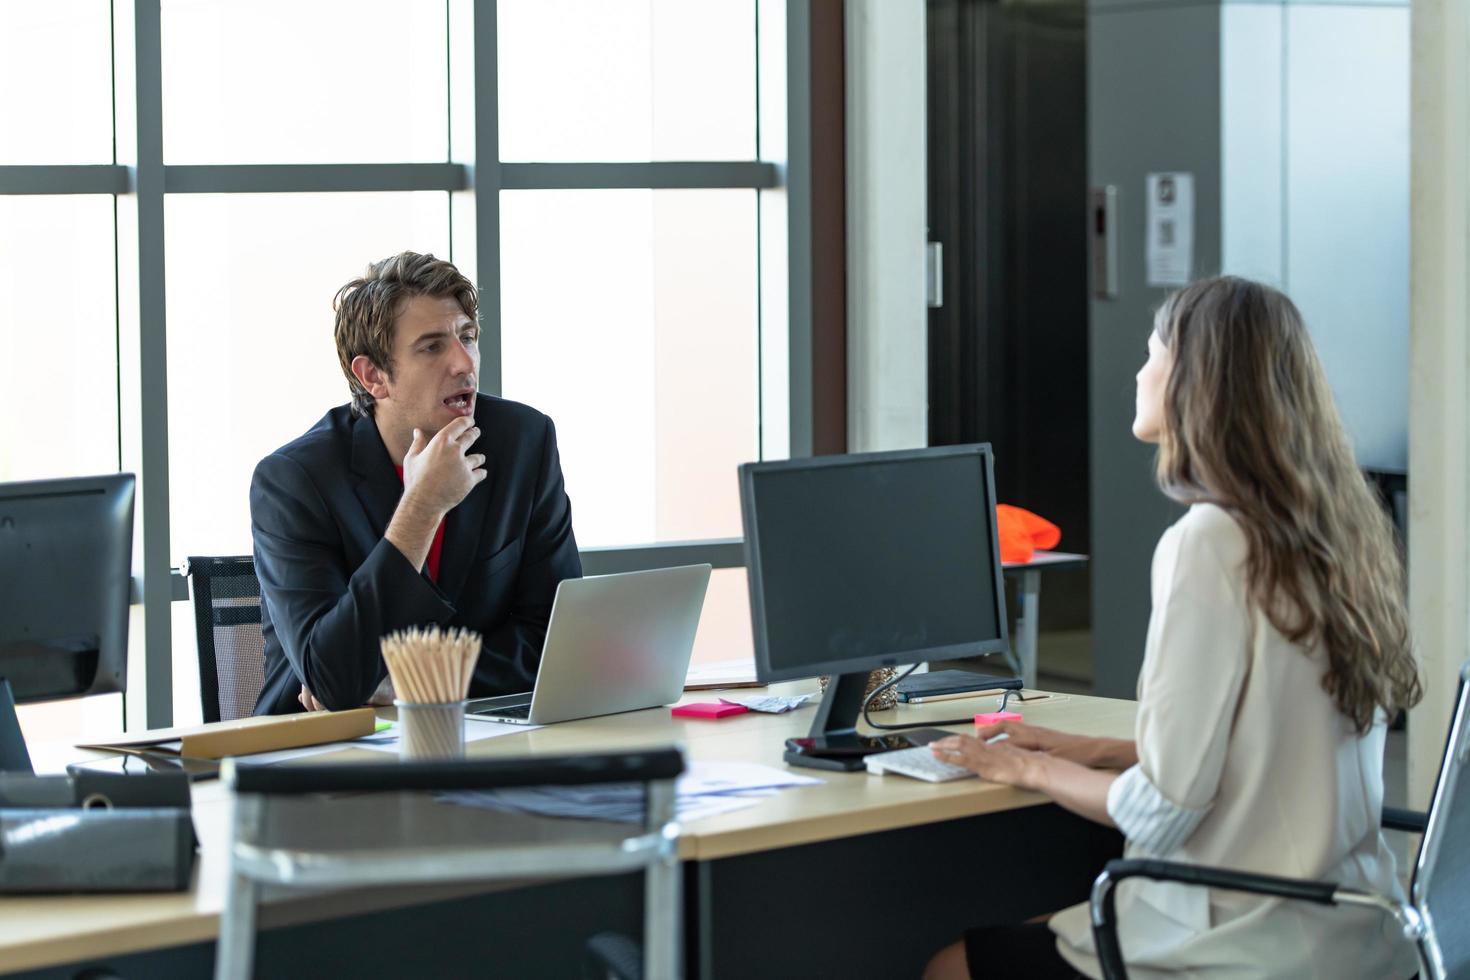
<point>434,549</point>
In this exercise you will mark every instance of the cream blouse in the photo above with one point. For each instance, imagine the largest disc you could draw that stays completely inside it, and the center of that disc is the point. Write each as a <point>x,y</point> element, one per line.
<point>1244,762</point>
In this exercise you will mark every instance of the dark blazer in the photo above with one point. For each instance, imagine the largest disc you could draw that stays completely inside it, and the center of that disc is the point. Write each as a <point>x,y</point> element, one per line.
<point>331,587</point>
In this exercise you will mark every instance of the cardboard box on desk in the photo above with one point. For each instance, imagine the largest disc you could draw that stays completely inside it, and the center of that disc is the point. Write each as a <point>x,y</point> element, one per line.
<point>245,736</point>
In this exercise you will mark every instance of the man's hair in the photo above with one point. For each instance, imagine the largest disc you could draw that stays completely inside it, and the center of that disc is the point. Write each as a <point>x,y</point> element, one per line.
<point>367,307</point>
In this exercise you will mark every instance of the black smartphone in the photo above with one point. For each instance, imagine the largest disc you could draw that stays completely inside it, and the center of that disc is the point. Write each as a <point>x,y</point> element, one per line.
<point>856,746</point>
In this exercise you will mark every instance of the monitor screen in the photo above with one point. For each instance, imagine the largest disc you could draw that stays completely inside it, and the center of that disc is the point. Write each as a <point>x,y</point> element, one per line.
<point>66,553</point>
<point>863,561</point>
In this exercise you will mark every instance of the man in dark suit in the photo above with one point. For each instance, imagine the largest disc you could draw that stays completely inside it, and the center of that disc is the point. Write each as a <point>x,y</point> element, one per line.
<point>422,502</point>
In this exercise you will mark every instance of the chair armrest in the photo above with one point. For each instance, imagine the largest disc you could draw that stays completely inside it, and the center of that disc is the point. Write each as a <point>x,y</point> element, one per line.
<point>1104,920</point>
<point>368,777</point>
<point>613,956</point>
<point>1398,818</point>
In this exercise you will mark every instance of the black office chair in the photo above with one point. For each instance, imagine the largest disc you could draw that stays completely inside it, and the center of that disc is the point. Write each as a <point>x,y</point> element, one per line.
<point>231,645</point>
<point>1436,916</point>
<point>381,826</point>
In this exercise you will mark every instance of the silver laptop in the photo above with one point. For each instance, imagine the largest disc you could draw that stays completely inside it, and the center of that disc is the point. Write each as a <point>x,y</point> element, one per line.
<point>615,643</point>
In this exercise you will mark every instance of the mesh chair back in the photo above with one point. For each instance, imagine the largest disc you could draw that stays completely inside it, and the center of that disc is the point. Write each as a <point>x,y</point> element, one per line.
<point>1441,886</point>
<point>231,645</point>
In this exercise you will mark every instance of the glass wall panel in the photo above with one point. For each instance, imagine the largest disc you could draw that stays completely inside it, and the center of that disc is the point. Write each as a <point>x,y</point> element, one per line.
<point>329,81</point>
<point>627,79</point>
<point>58,337</point>
<point>52,728</point>
<point>252,363</point>
<point>724,636</point>
<point>629,316</point>
<point>56,82</point>
<point>251,359</point>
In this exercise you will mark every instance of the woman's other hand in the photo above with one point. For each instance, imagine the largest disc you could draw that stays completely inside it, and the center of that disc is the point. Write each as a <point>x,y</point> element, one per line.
<point>1023,736</point>
<point>997,761</point>
<point>1094,753</point>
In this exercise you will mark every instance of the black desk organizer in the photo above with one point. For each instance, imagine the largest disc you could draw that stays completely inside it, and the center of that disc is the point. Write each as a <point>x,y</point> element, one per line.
<point>95,832</point>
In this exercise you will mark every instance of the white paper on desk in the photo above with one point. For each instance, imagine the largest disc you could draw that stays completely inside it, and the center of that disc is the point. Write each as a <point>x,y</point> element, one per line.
<point>773,704</point>
<point>708,789</point>
<point>692,808</point>
<point>306,751</point>
<point>617,802</point>
<point>475,730</point>
<point>720,778</point>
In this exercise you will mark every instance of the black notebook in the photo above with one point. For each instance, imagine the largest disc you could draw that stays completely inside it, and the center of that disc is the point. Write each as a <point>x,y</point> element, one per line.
<point>953,682</point>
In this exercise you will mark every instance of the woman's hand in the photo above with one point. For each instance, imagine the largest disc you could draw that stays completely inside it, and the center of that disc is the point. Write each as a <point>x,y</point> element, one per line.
<point>1023,736</point>
<point>1094,753</point>
<point>1079,788</point>
<point>1000,762</point>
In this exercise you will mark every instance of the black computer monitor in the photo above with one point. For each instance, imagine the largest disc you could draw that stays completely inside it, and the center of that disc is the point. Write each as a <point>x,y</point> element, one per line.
<point>871,560</point>
<point>66,555</point>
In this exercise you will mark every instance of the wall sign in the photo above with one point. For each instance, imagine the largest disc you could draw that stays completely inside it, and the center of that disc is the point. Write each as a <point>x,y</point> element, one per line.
<point>1170,222</point>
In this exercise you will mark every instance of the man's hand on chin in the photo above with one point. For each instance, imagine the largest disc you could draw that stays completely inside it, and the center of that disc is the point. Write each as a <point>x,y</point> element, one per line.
<point>440,472</point>
<point>437,474</point>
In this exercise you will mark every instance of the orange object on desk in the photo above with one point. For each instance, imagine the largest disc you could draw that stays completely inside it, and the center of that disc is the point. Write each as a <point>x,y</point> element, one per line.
<point>1022,533</point>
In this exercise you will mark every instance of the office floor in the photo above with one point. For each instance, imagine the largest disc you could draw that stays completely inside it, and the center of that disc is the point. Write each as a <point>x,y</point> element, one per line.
<point>1064,663</point>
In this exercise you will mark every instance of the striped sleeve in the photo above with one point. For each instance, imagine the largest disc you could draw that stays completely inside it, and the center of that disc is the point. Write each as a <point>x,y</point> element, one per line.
<point>1194,671</point>
<point>1147,817</point>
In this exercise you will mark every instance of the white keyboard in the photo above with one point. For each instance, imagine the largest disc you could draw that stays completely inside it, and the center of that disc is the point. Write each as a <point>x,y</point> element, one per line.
<point>918,762</point>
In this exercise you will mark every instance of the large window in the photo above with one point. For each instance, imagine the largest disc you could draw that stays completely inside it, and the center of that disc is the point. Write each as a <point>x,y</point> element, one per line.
<point>55,83</point>
<point>627,80</point>
<point>649,365</point>
<point>184,185</point>
<point>58,329</point>
<point>304,81</point>
<point>251,361</point>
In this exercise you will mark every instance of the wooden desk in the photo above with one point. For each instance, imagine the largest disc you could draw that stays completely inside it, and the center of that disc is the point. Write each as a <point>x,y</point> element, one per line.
<point>750,873</point>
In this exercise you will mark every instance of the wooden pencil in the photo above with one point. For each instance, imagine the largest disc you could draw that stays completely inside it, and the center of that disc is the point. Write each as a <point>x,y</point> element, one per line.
<point>431,666</point>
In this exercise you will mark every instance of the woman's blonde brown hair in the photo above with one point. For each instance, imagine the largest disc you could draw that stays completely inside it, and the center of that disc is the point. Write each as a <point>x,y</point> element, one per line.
<point>1249,423</point>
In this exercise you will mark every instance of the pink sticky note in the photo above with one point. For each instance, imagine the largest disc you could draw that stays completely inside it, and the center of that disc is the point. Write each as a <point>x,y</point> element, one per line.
<point>991,717</point>
<point>709,710</point>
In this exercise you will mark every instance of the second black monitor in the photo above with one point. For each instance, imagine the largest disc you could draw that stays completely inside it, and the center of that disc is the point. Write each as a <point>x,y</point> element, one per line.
<point>66,552</point>
<point>875,559</point>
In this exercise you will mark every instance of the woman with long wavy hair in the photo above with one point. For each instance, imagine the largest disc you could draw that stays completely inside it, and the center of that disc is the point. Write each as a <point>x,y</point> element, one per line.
<point>1278,648</point>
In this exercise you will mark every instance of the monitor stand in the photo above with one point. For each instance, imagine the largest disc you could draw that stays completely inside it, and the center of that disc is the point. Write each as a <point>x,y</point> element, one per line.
<point>13,754</point>
<point>834,743</point>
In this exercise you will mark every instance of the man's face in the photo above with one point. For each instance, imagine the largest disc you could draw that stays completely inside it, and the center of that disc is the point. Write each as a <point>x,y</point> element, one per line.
<point>436,364</point>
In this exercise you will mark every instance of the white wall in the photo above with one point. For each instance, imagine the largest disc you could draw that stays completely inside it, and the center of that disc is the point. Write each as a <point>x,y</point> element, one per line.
<point>1439,400</point>
<point>1315,191</point>
<point>887,319</point>
<point>1252,143</point>
<point>1347,210</point>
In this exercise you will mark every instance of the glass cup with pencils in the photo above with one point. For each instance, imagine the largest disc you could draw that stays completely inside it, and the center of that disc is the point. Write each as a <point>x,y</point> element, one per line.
<point>431,670</point>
